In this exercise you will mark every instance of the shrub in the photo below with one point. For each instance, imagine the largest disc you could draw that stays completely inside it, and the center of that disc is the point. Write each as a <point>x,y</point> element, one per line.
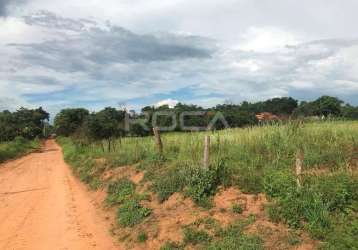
<point>132,213</point>
<point>201,184</point>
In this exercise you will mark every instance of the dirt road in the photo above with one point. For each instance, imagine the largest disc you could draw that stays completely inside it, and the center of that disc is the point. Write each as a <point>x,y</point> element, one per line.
<point>43,207</point>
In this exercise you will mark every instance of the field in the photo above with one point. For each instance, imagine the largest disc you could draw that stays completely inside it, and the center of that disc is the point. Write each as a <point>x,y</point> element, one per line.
<point>16,148</point>
<point>248,198</point>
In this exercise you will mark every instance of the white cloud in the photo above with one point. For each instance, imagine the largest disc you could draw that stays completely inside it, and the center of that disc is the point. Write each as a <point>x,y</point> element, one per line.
<point>266,39</point>
<point>243,50</point>
<point>170,102</point>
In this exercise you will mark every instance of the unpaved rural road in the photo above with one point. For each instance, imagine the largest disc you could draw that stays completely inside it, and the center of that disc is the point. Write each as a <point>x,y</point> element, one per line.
<point>44,207</point>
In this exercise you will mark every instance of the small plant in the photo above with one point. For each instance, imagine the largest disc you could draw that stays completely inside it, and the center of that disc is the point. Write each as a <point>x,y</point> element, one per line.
<point>233,238</point>
<point>168,183</point>
<point>194,236</point>
<point>201,184</point>
<point>120,191</point>
<point>142,237</point>
<point>237,208</point>
<point>169,245</point>
<point>293,238</point>
<point>132,213</point>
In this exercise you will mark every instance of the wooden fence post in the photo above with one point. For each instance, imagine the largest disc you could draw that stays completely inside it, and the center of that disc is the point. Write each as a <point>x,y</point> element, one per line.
<point>299,166</point>
<point>158,140</point>
<point>206,152</point>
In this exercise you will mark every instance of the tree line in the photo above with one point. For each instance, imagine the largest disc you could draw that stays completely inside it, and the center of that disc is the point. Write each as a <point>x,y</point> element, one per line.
<point>26,123</point>
<point>111,123</point>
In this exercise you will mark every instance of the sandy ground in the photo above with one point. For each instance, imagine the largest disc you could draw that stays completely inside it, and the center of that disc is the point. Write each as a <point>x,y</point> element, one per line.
<point>43,206</point>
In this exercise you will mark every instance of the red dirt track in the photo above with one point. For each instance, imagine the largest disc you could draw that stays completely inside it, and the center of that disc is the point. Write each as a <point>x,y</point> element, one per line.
<point>44,207</point>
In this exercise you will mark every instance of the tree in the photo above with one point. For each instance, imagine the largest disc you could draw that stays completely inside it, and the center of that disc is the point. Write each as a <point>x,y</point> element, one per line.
<point>327,105</point>
<point>280,106</point>
<point>106,124</point>
<point>68,121</point>
<point>27,123</point>
<point>350,112</point>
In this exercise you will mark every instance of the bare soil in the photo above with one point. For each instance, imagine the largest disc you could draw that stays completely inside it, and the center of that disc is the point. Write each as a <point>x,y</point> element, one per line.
<point>43,206</point>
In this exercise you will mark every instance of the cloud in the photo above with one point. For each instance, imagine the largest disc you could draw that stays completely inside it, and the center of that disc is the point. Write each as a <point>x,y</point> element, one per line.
<point>170,102</point>
<point>106,45</point>
<point>5,5</point>
<point>86,62</point>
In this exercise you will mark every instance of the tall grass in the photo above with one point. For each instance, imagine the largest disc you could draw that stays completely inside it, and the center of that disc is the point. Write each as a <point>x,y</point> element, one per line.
<point>255,159</point>
<point>17,147</point>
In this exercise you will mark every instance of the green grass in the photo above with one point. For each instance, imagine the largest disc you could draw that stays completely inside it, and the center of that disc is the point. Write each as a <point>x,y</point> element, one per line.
<point>120,191</point>
<point>233,238</point>
<point>237,208</point>
<point>171,246</point>
<point>142,237</point>
<point>16,148</point>
<point>256,160</point>
<point>194,236</point>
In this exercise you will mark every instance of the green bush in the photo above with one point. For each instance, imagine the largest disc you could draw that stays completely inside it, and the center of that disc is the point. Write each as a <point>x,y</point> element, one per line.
<point>132,213</point>
<point>201,184</point>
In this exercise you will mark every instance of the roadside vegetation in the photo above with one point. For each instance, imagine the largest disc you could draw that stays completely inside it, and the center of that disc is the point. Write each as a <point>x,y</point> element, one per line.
<point>18,147</point>
<point>20,131</point>
<point>255,160</point>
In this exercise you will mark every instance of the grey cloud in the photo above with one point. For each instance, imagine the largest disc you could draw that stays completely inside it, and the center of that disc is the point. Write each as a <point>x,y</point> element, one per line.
<point>52,21</point>
<point>6,4</point>
<point>97,62</point>
<point>94,45</point>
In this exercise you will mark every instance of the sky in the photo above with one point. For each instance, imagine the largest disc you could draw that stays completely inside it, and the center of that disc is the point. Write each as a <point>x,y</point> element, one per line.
<point>133,53</point>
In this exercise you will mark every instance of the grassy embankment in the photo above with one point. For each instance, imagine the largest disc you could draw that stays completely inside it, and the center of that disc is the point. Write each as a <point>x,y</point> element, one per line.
<point>16,148</point>
<point>255,160</point>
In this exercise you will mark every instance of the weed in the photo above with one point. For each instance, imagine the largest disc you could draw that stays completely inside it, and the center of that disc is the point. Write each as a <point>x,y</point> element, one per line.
<point>142,237</point>
<point>167,184</point>
<point>132,213</point>
<point>233,238</point>
<point>237,208</point>
<point>171,246</point>
<point>201,184</point>
<point>195,236</point>
<point>293,238</point>
<point>120,191</point>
